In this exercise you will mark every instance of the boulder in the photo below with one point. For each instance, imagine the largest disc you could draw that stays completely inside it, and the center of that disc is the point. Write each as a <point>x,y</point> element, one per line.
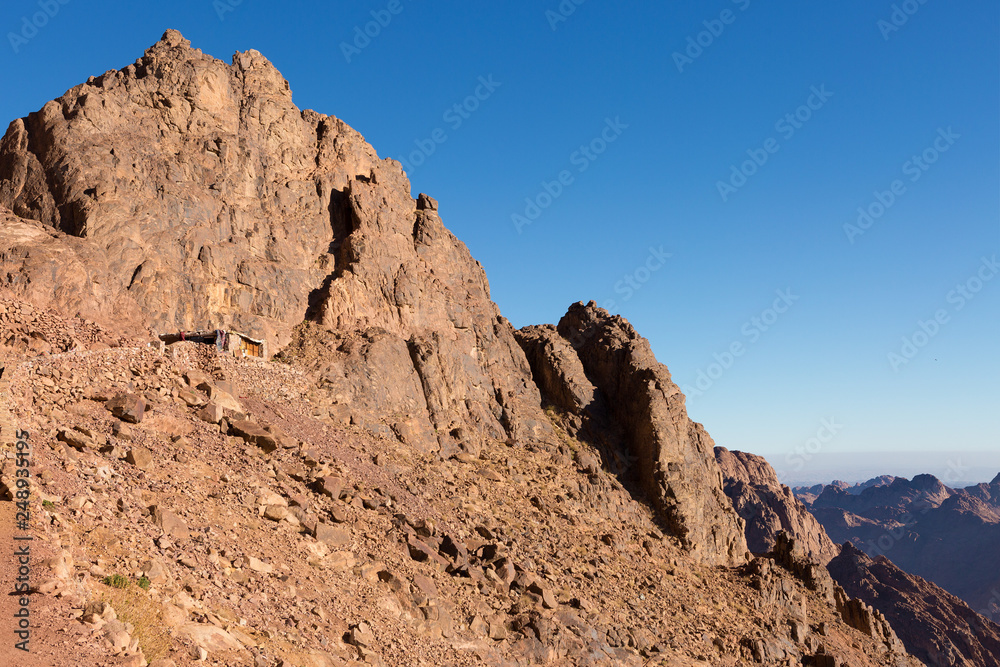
<point>155,571</point>
<point>127,406</point>
<point>221,398</point>
<point>171,524</point>
<point>253,434</point>
<point>334,536</point>
<point>209,637</point>
<point>211,413</point>
<point>140,457</point>
<point>75,439</point>
<point>330,485</point>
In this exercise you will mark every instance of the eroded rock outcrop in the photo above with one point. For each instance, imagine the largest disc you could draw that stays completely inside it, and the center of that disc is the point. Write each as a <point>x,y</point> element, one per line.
<point>597,368</point>
<point>854,612</point>
<point>769,507</point>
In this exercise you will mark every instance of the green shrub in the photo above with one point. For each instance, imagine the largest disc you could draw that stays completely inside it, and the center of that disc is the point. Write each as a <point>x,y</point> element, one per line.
<point>144,582</point>
<point>116,581</point>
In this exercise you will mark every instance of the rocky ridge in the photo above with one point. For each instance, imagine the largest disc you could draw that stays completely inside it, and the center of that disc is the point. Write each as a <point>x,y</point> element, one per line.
<point>769,507</point>
<point>936,626</point>
<point>598,370</point>
<point>809,493</point>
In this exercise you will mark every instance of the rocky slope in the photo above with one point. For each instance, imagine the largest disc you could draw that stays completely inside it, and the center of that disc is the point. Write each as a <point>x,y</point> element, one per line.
<point>768,507</point>
<point>390,489</point>
<point>935,626</point>
<point>272,535</point>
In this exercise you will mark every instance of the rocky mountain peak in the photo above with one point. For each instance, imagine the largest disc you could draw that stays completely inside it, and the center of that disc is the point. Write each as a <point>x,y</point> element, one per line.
<point>171,39</point>
<point>927,482</point>
<point>746,468</point>
<point>213,199</point>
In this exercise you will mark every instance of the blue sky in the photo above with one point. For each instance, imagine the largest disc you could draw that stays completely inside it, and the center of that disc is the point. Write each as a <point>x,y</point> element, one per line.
<point>642,138</point>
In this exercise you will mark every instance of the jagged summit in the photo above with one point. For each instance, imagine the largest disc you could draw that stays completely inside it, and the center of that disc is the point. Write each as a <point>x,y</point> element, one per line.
<point>171,38</point>
<point>208,193</point>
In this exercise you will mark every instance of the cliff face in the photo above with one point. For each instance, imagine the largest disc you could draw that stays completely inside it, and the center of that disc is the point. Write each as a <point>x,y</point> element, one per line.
<point>768,507</point>
<point>206,192</point>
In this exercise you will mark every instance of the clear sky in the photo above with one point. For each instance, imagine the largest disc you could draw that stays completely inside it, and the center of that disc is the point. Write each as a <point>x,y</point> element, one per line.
<point>697,167</point>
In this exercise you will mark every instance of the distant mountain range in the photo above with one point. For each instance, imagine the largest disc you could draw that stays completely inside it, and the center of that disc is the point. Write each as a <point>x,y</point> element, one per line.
<point>950,536</point>
<point>956,468</point>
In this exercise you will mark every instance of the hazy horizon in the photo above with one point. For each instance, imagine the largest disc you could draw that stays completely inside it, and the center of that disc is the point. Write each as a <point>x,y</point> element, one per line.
<point>956,469</point>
